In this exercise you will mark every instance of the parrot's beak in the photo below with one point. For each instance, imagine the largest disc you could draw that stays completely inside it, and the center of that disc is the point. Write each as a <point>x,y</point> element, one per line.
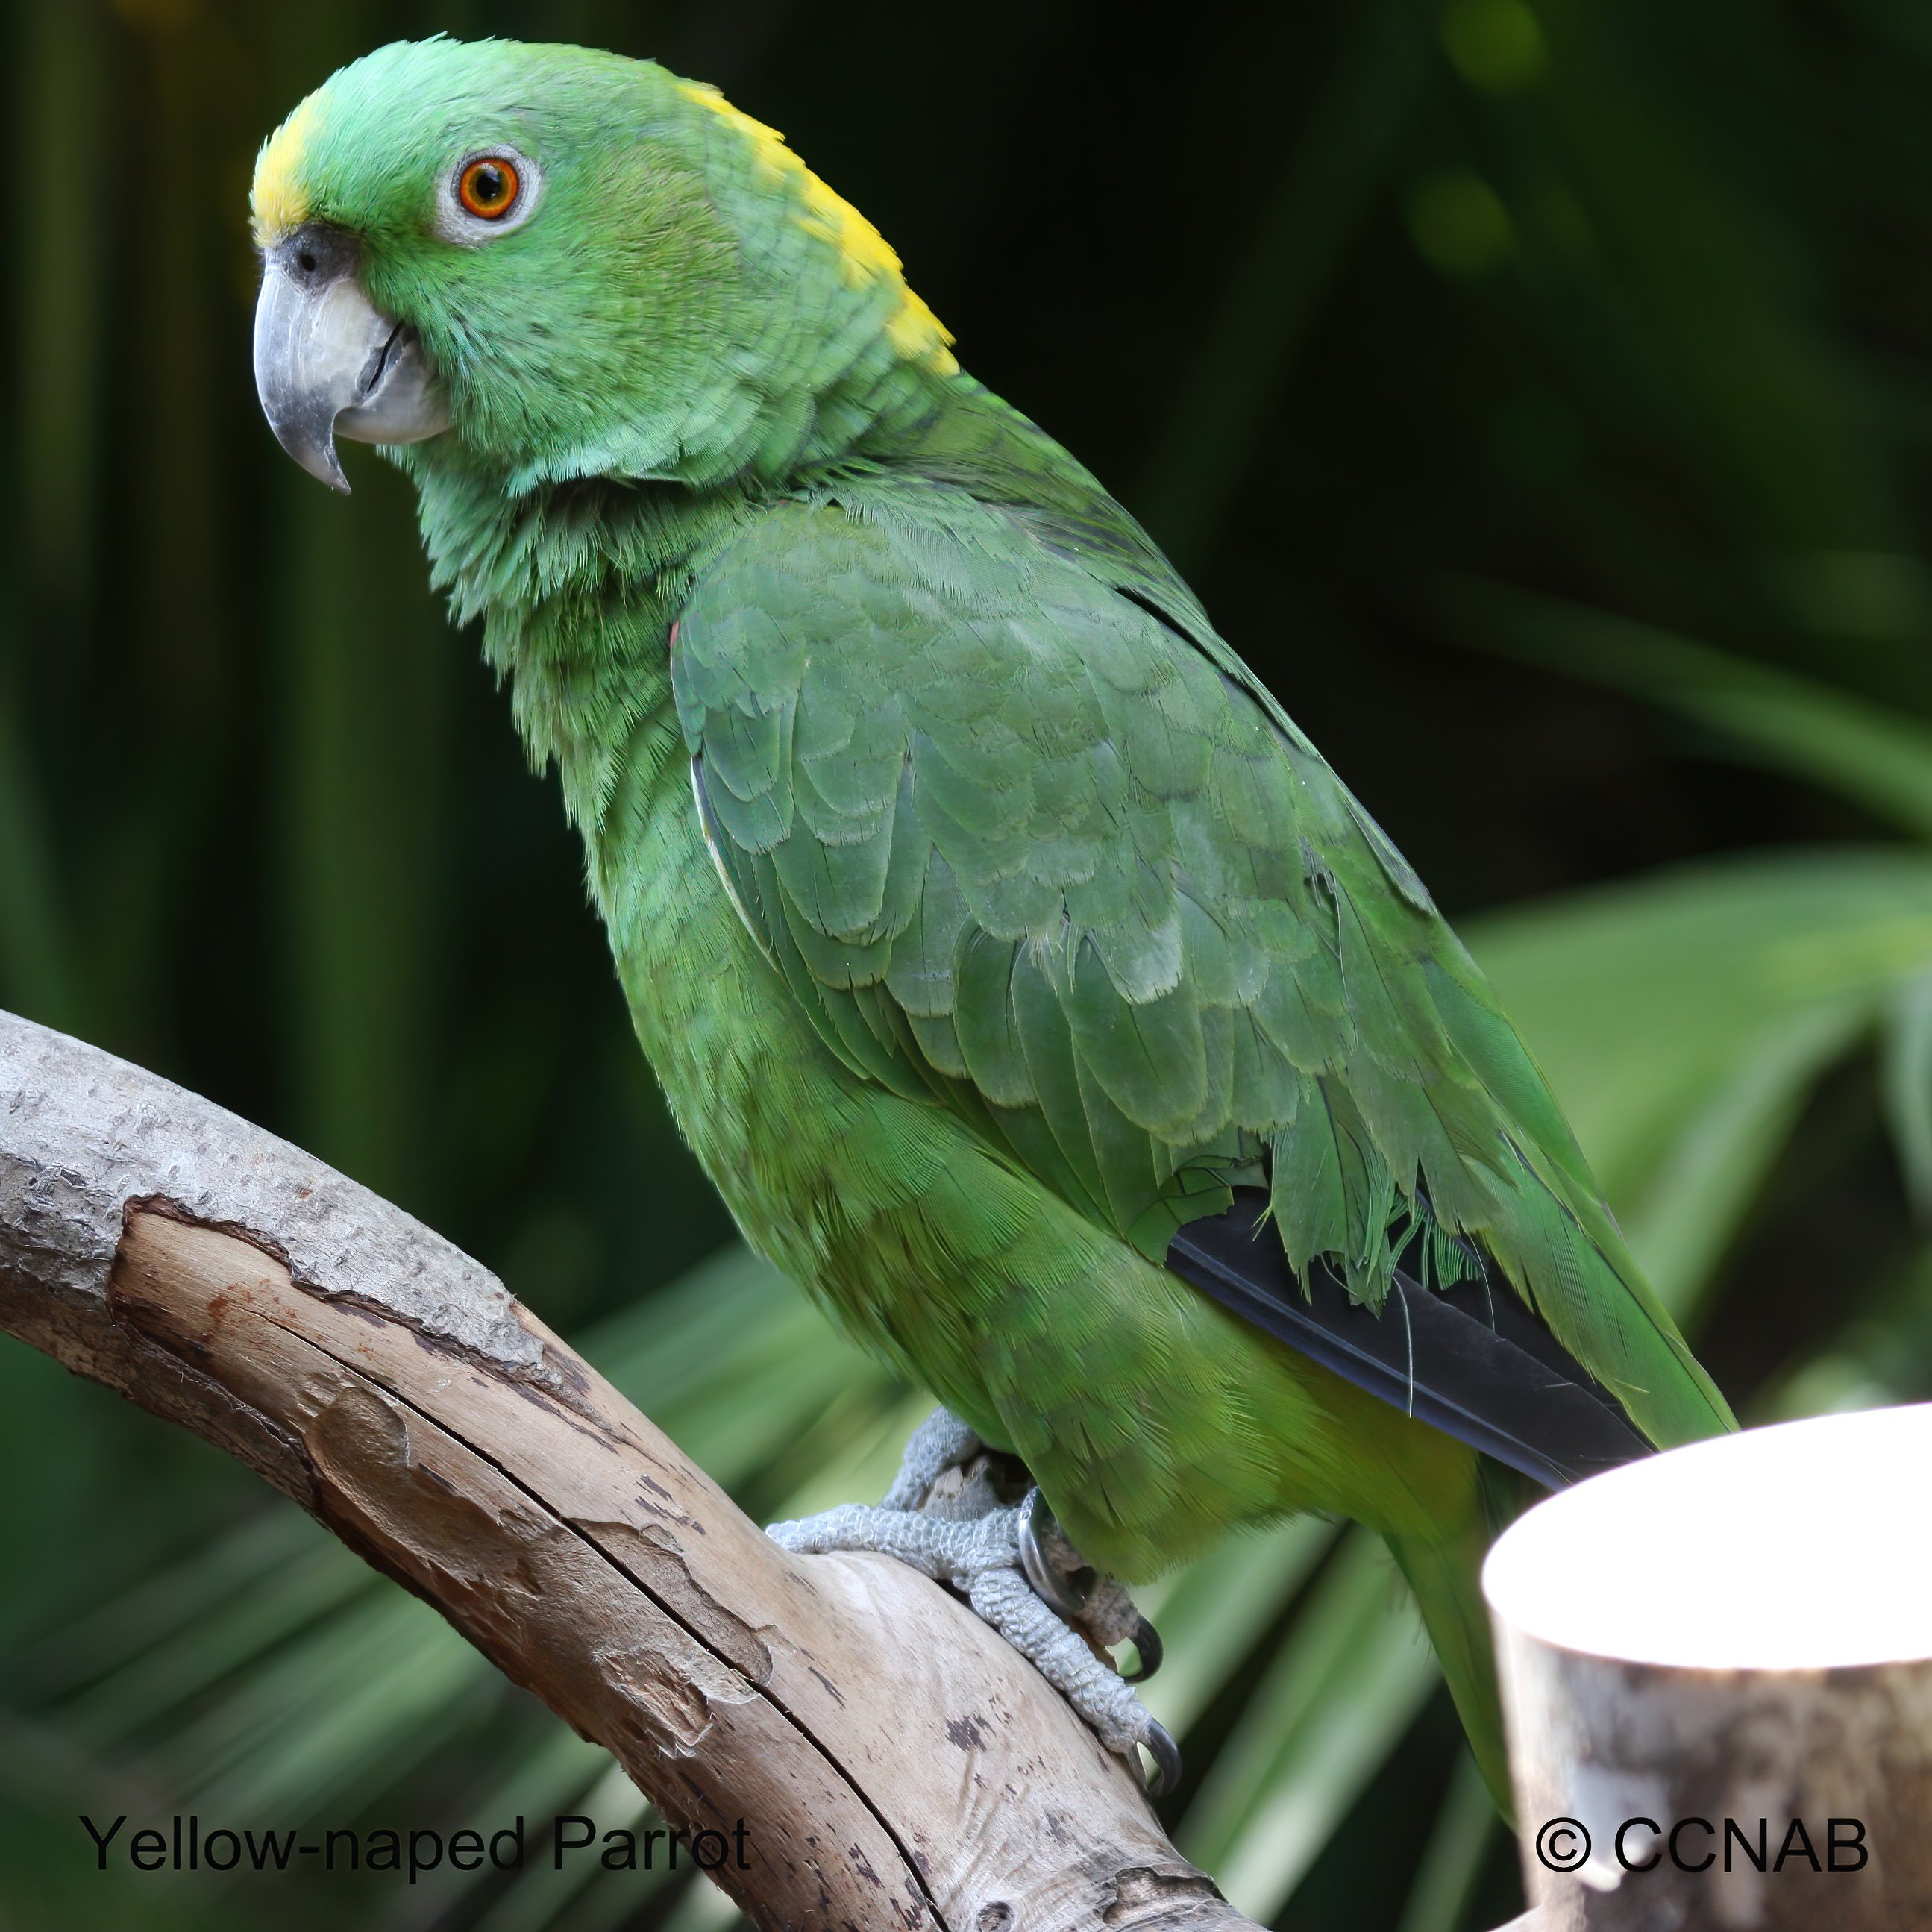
<point>328,361</point>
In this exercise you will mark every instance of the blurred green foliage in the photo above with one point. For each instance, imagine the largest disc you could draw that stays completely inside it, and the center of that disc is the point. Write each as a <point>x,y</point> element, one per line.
<point>1538,392</point>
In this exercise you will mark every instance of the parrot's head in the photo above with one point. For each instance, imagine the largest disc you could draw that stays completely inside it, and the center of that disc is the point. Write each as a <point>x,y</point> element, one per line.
<point>563,263</point>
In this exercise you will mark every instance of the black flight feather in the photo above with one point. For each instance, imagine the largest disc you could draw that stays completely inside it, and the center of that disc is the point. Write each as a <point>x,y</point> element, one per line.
<point>1477,1365</point>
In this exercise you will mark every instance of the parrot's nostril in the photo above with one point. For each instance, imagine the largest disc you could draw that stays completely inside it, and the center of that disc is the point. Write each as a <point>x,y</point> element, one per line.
<point>316,254</point>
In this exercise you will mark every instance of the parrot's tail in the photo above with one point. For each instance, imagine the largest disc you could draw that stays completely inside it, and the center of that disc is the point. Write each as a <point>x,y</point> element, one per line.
<point>1443,1572</point>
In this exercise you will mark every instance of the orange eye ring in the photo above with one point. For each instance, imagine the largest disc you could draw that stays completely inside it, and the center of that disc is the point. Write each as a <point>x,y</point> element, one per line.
<point>488,187</point>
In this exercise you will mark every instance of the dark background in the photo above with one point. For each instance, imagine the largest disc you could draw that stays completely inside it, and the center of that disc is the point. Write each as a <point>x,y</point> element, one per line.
<point>1537,394</point>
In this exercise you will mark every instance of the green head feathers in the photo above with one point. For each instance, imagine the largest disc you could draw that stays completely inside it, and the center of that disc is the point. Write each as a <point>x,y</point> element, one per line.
<point>613,270</point>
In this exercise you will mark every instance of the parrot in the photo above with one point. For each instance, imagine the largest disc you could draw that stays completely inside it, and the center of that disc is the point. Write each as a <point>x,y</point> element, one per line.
<point>1034,995</point>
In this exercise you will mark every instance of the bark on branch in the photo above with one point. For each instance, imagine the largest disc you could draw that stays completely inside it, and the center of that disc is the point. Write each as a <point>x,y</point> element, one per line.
<point>895,1764</point>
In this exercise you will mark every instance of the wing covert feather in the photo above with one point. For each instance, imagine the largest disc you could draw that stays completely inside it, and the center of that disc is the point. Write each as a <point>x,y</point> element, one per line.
<point>1022,841</point>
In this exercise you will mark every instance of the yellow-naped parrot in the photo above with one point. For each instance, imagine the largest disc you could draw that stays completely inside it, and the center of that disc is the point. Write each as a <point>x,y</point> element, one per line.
<point>1035,995</point>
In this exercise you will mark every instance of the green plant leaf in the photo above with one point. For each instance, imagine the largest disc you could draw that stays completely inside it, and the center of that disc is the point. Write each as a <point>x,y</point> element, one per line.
<point>1212,1614</point>
<point>1466,1829</point>
<point>1345,1684</point>
<point>1908,1085</point>
<point>1878,758</point>
<point>1682,1018</point>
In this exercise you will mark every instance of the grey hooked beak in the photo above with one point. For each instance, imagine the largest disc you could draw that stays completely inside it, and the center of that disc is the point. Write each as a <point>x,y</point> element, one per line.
<point>328,362</point>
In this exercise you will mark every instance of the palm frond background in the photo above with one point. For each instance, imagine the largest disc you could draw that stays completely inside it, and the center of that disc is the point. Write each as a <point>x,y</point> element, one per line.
<point>1537,391</point>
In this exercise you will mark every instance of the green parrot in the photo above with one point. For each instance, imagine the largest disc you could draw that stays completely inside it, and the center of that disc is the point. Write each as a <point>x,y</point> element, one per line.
<point>995,935</point>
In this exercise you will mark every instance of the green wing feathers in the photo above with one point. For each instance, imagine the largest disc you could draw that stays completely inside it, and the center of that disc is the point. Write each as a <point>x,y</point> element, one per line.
<point>1026,840</point>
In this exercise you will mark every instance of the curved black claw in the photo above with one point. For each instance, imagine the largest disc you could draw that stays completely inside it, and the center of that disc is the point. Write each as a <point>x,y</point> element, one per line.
<point>1159,1745</point>
<point>1064,1591</point>
<point>1148,1648</point>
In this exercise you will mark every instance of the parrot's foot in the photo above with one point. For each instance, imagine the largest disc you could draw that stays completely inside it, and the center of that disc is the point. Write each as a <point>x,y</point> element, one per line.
<point>941,1443</point>
<point>1016,1566</point>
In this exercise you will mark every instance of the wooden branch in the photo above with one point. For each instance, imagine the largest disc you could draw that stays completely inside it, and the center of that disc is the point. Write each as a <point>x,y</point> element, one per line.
<point>894,1763</point>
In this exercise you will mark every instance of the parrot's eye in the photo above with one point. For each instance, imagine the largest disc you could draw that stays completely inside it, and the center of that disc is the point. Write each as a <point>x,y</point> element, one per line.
<point>489,187</point>
<point>489,192</point>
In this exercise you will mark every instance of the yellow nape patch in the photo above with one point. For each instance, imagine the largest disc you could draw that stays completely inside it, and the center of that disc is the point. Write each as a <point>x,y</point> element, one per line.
<point>864,254</point>
<point>278,201</point>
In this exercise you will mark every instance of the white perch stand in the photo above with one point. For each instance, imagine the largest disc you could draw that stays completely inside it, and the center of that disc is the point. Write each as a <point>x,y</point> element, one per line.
<point>1717,1669</point>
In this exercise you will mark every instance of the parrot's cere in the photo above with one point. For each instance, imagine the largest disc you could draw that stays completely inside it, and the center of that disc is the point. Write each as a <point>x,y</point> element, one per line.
<point>987,922</point>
